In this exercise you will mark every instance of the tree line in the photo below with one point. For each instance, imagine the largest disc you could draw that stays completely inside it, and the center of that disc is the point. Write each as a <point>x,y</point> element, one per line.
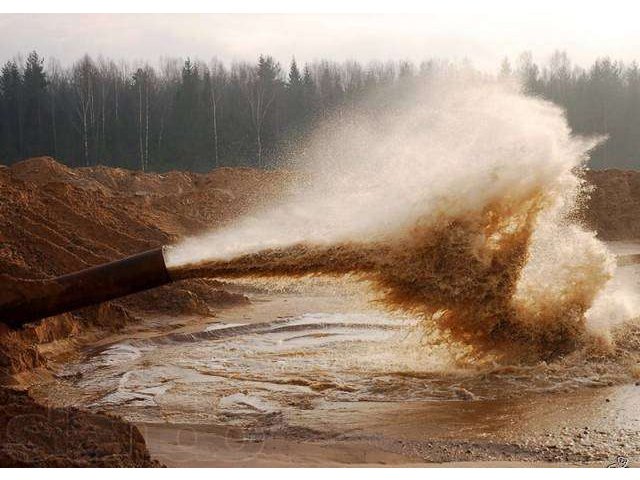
<point>603,99</point>
<point>193,115</point>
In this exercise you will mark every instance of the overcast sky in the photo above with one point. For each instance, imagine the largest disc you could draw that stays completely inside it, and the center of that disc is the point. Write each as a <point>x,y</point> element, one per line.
<point>484,36</point>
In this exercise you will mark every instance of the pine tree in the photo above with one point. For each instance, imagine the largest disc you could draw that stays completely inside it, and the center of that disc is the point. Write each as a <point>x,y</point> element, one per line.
<point>505,69</point>
<point>187,116</point>
<point>295,98</point>
<point>294,80</point>
<point>11,86</point>
<point>35,93</point>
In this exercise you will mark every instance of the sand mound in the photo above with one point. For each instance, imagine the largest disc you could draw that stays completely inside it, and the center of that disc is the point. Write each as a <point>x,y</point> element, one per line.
<point>55,220</point>
<point>613,209</point>
<point>66,437</point>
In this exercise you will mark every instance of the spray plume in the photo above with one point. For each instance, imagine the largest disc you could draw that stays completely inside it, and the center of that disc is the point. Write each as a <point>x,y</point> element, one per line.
<point>455,204</point>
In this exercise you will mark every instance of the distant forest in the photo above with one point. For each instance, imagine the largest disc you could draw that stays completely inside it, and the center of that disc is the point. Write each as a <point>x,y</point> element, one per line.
<point>193,115</point>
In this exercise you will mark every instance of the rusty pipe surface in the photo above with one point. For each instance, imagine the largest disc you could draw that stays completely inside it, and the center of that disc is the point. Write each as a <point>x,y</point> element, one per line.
<point>34,300</point>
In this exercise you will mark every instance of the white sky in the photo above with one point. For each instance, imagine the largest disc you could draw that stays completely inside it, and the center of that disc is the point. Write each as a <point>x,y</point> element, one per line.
<point>483,32</point>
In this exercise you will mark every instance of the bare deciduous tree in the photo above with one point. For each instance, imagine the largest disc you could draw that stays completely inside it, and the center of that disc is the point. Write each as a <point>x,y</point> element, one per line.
<point>83,84</point>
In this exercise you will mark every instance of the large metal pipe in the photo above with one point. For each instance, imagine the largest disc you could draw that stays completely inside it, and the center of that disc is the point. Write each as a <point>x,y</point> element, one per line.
<point>41,299</point>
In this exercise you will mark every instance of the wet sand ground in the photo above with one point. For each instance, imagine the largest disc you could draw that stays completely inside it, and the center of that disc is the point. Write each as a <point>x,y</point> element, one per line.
<point>561,430</point>
<point>193,415</point>
<point>321,377</point>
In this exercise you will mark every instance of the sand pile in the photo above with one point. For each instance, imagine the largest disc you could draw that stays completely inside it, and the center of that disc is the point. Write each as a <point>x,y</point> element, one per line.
<point>66,437</point>
<point>55,220</point>
<point>614,207</point>
<point>73,218</point>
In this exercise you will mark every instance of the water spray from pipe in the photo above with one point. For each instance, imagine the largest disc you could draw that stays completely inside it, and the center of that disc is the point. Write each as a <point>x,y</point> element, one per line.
<point>456,204</point>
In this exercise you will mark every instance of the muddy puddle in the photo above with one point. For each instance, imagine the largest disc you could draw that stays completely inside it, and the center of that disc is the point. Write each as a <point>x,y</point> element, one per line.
<point>318,377</point>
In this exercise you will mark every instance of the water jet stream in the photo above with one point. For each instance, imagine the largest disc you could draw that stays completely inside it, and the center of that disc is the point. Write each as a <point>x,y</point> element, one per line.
<point>457,205</point>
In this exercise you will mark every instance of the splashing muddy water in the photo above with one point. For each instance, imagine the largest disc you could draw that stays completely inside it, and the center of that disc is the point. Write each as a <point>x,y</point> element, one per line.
<point>456,206</point>
<point>456,213</point>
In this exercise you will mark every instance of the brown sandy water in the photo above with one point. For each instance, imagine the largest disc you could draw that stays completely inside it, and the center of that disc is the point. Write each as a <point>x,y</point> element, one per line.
<point>323,376</point>
<point>459,275</point>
